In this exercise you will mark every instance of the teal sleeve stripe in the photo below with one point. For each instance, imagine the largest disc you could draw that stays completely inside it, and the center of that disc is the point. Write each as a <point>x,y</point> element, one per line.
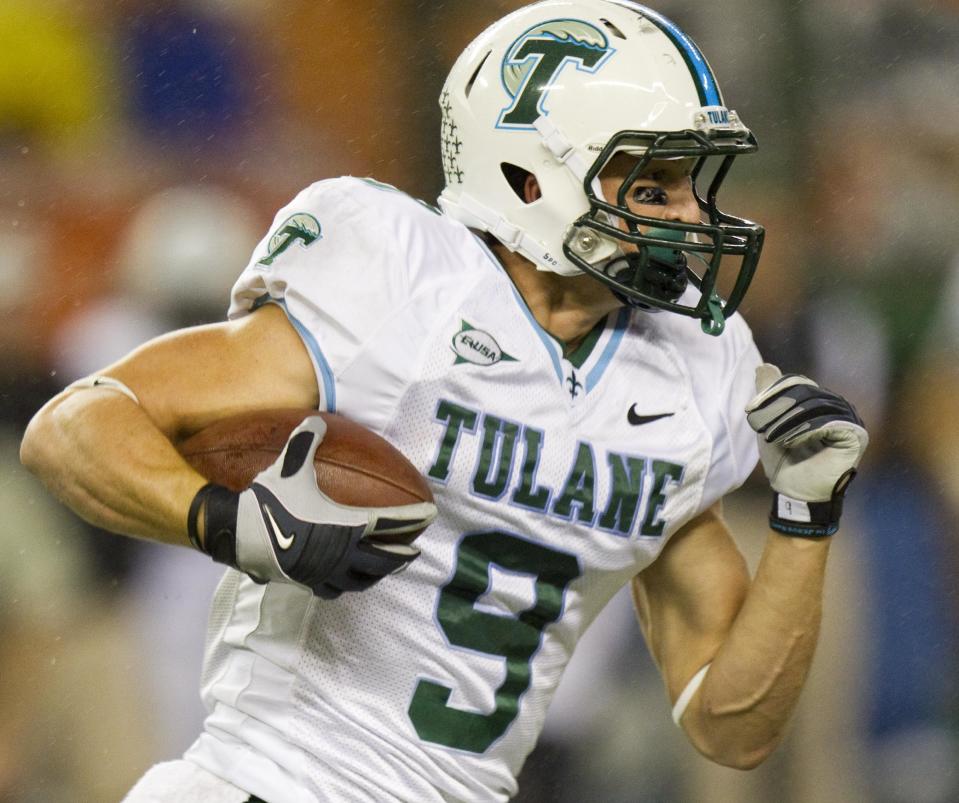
<point>619,329</point>
<point>328,402</point>
<point>706,86</point>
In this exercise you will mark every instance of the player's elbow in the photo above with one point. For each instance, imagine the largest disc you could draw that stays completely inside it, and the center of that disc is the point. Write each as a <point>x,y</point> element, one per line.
<point>736,752</point>
<point>40,444</point>
<point>744,760</point>
<point>32,446</point>
<point>739,742</point>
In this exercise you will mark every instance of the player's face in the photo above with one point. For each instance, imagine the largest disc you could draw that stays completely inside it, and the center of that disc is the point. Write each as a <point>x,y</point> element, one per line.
<point>664,190</point>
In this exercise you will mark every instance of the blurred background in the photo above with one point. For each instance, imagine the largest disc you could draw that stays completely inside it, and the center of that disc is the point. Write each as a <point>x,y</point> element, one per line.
<point>144,147</point>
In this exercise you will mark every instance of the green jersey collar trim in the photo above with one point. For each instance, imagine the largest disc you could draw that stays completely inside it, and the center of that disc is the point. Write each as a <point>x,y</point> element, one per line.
<point>581,353</point>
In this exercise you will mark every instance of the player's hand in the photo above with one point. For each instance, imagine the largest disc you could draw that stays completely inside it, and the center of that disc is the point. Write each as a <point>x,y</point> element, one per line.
<point>810,442</point>
<point>287,530</point>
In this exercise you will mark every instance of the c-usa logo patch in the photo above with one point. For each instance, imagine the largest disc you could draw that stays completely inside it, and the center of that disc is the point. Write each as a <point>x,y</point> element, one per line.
<point>478,347</point>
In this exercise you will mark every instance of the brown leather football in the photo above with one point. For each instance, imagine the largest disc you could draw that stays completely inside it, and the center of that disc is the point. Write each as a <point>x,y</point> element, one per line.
<point>354,466</point>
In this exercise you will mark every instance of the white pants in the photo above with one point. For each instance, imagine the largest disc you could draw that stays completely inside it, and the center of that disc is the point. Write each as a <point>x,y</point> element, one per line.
<point>183,782</point>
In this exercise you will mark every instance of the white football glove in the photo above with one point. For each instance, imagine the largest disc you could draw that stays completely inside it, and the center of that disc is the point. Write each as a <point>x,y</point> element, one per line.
<point>810,442</point>
<point>283,528</point>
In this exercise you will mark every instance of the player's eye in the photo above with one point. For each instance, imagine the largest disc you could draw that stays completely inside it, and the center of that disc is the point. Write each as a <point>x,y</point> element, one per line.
<point>649,195</point>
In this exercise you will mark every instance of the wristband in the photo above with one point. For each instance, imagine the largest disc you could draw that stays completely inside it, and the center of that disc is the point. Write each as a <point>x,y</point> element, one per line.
<point>104,383</point>
<point>219,508</point>
<point>802,519</point>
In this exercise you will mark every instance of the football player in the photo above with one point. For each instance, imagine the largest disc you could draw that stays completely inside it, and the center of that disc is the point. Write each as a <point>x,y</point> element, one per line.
<point>554,350</point>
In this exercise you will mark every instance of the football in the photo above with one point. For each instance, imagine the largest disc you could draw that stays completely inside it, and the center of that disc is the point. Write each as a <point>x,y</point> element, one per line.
<point>354,466</point>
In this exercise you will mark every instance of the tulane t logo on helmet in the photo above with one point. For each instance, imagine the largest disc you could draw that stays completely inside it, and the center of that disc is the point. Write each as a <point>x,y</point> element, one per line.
<point>535,60</point>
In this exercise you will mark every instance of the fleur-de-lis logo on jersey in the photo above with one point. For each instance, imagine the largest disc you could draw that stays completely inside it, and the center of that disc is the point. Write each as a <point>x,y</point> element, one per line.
<point>534,63</point>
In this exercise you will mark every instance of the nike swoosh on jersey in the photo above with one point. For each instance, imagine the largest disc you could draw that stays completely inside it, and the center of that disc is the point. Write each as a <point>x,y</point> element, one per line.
<point>283,541</point>
<point>638,420</point>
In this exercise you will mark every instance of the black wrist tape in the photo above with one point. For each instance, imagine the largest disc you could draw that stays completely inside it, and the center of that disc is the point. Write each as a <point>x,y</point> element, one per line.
<point>817,519</point>
<point>219,508</point>
<point>809,519</point>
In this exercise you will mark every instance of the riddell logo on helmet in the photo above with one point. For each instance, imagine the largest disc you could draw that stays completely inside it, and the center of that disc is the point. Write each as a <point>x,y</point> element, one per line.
<point>535,60</point>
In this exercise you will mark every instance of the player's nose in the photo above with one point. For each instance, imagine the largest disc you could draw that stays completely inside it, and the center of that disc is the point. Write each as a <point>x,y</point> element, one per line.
<point>682,207</point>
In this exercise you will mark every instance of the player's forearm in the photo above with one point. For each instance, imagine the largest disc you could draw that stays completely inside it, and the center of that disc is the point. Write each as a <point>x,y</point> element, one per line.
<point>101,455</point>
<point>748,694</point>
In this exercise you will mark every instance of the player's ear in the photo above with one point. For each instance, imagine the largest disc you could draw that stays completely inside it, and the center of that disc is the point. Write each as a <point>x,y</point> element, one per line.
<point>522,182</point>
<point>531,190</point>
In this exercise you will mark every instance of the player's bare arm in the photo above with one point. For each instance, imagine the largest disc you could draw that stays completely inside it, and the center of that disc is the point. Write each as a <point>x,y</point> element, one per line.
<point>735,654</point>
<point>697,607</point>
<point>113,460</point>
<point>108,451</point>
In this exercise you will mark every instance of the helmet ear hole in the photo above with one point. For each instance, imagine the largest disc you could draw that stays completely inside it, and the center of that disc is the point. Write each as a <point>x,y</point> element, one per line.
<point>517,178</point>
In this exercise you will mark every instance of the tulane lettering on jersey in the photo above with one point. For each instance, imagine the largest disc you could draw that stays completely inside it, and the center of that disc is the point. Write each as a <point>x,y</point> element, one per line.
<point>637,486</point>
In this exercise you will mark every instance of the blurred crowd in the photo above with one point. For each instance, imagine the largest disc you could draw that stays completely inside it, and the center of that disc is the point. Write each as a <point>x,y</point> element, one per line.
<point>144,146</point>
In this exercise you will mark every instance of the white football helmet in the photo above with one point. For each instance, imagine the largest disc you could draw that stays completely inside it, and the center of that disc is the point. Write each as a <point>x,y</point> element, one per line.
<point>557,88</point>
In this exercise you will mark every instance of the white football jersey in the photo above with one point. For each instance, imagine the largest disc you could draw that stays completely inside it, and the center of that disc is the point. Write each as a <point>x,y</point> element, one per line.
<point>557,480</point>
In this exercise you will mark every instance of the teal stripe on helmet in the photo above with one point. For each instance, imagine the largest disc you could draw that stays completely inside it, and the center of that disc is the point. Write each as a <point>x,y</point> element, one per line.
<point>702,74</point>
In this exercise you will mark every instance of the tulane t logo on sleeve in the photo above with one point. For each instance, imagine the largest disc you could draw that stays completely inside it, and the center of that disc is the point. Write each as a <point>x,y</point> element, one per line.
<point>300,228</point>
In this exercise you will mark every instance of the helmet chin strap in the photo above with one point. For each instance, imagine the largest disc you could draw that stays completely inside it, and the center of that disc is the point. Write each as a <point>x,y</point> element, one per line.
<point>476,215</point>
<point>556,142</point>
